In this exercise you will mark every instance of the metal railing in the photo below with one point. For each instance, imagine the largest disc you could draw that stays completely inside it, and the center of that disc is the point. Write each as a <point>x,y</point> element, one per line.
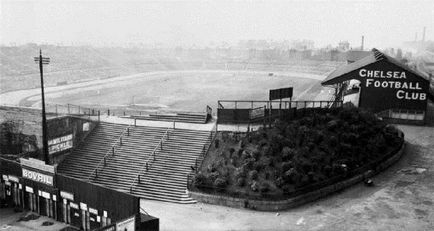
<point>147,164</point>
<point>111,151</point>
<point>206,147</point>
<point>284,104</point>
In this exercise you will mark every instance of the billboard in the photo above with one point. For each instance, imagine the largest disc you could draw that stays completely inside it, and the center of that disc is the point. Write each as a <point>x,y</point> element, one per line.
<point>60,144</point>
<point>387,86</point>
<point>281,93</point>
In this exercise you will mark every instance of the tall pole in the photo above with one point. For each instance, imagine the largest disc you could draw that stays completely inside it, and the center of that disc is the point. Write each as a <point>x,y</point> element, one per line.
<point>44,117</point>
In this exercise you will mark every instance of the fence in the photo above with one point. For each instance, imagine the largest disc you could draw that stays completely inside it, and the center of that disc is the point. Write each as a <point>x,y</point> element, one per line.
<point>238,111</point>
<point>96,110</point>
<point>147,164</point>
<point>372,165</point>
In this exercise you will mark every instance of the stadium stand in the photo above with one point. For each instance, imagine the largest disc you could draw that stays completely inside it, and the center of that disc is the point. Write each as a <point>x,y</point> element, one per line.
<point>166,175</point>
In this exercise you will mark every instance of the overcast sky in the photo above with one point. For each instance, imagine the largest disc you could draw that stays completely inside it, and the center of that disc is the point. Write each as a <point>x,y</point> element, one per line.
<point>384,23</point>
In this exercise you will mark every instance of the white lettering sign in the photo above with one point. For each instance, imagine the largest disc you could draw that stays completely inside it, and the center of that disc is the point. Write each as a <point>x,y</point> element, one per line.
<point>407,90</point>
<point>29,189</point>
<point>13,178</point>
<point>93,211</point>
<point>73,205</point>
<point>382,74</point>
<point>83,206</point>
<point>60,144</point>
<point>60,139</point>
<point>67,195</point>
<point>86,127</point>
<point>45,195</point>
<point>38,177</point>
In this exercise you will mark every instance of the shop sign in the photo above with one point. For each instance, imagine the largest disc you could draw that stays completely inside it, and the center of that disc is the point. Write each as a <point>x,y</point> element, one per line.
<point>45,195</point>
<point>73,205</point>
<point>60,144</point>
<point>20,186</point>
<point>29,189</point>
<point>5,177</point>
<point>93,211</point>
<point>13,178</point>
<point>67,195</point>
<point>37,164</point>
<point>38,177</point>
<point>7,183</point>
<point>83,206</point>
<point>54,198</point>
<point>129,224</point>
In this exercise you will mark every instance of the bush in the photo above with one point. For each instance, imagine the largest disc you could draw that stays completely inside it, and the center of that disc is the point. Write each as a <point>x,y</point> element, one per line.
<point>256,154</point>
<point>240,172</point>
<point>286,166</point>
<point>264,188</point>
<point>220,182</point>
<point>253,175</point>
<point>241,182</point>
<point>279,182</point>
<point>249,163</point>
<point>288,153</point>
<point>213,176</point>
<point>300,152</point>
<point>216,143</point>
<point>199,180</point>
<point>254,186</point>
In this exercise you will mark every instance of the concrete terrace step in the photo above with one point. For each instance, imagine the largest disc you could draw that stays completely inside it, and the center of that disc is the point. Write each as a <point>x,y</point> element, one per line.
<point>166,177</point>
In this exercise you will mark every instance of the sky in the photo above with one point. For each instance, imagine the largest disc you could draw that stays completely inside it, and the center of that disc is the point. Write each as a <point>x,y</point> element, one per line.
<point>384,23</point>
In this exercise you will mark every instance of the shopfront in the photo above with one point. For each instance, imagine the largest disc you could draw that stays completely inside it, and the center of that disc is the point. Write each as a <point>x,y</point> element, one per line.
<point>40,194</point>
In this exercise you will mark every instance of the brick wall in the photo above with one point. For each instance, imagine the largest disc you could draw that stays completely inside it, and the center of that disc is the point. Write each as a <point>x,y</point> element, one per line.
<point>27,128</point>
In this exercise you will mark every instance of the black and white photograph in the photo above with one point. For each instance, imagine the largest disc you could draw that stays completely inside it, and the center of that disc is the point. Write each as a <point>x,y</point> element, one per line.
<point>217,115</point>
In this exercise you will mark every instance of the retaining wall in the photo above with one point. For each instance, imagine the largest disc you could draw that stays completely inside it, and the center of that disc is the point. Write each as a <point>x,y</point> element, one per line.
<point>267,205</point>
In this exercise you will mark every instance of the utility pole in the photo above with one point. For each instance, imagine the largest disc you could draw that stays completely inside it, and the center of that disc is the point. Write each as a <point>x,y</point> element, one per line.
<point>43,60</point>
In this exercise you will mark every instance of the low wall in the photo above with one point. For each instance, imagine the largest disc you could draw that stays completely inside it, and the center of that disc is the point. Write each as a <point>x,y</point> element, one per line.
<point>267,205</point>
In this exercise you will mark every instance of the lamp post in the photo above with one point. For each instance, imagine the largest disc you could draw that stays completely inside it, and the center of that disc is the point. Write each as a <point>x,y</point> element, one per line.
<point>43,60</point>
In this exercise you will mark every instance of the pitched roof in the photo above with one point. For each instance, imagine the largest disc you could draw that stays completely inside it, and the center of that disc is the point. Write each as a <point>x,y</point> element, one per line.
<point>373,57</point>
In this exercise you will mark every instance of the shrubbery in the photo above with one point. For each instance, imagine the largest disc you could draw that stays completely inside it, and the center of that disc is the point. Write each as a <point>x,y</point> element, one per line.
<point>298,153</point>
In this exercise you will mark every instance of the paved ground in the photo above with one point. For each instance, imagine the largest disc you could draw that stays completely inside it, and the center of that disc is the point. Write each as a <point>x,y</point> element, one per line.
<point>9,222</point>
<point>402,199</point>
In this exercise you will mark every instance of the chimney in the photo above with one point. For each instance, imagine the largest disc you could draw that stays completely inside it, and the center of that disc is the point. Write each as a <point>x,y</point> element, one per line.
<point>423,35</point>
<point>363,42</point>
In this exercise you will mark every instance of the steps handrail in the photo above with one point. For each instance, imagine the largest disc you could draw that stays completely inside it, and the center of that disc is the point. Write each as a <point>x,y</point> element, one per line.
<point>111,149</point>
<point>149,160</point>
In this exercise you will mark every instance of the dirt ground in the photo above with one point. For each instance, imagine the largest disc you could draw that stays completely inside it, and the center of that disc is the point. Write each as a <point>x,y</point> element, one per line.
<point>176,90</point>
<point>402,199</point>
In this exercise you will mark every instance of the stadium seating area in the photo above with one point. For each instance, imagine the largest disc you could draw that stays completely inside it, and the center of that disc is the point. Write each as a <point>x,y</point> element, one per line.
<point>166,178</point>
<point>82,63</point>
<point>178,117</point>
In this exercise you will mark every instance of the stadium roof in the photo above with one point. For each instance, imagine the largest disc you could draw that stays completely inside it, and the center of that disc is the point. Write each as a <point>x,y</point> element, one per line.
<point>341,73</point>
<point>354,55</point>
